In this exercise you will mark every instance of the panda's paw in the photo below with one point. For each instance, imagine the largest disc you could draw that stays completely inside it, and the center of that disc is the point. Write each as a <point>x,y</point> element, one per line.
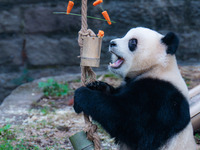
<point>99,86</point>
<point>77,108</point>
<point>80,97</point>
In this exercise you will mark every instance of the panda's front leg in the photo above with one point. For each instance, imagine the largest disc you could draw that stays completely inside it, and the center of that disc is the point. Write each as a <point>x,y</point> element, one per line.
<point>86,97</point>
<point>99,105</point>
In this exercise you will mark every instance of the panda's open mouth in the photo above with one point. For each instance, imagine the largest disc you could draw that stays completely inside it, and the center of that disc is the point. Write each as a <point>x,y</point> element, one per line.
<point>118,62</point>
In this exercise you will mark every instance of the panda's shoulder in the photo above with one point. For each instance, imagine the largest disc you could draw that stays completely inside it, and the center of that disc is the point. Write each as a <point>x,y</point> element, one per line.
<point>155,89</point>
<point>153,85</point>
<point>151,82</point>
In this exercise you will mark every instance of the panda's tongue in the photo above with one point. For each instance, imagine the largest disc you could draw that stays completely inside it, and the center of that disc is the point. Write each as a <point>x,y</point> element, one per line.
<point>117,63</point>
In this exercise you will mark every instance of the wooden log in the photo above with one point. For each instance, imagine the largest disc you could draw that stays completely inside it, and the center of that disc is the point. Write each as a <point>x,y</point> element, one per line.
<point>196,122</point>
<point>195,111</point>
<point>91,51</point>
<point>193,92</point>
<point>194,102</point>
<point>80,142</point>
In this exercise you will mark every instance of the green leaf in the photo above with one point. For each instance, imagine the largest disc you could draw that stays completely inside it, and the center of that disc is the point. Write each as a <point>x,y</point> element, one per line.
<point>7,127</point>
<point>50,80</point>
<point>53,88</point>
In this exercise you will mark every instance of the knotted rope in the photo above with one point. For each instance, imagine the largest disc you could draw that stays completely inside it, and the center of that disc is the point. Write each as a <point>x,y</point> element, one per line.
<point>87,75</point>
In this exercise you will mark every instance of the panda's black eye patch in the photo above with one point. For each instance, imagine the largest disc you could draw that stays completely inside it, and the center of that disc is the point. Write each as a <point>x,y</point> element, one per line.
<point>132,44</point>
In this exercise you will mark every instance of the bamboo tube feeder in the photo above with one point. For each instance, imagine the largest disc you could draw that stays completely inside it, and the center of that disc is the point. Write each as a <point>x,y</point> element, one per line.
<point>91,51</point>
<point>80,142</point>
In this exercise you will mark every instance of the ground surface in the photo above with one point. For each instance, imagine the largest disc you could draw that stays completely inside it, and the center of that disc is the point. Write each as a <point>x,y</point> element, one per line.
<point>50,121</point>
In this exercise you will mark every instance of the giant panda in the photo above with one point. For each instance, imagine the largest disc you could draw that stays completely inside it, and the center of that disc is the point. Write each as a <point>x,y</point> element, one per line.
<point>150,111</point>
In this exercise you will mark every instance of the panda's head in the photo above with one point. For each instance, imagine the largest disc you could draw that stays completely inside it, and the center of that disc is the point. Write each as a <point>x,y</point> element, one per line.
<point>140,50</point>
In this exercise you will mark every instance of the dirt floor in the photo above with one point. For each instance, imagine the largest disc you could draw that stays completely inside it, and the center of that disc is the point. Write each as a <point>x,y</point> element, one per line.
<point>191,75</point>
<point>52,120</point>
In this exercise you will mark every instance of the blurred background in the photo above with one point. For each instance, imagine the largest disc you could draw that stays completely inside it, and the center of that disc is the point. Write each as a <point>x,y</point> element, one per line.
<point>35,43</point>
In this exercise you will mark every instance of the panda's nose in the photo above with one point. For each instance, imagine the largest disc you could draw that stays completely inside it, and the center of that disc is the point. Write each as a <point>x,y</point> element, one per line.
<point>113,44</point>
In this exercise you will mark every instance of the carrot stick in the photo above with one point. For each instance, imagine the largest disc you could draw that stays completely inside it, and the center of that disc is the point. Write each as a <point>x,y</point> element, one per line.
<point>70,6</point>
<point>101,34</point>
<point>106,16</point>
<point>97,2</point>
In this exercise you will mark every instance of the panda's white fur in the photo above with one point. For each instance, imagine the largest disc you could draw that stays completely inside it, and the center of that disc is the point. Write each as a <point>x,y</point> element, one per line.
<point>151,60</point>
<point>182,141</point>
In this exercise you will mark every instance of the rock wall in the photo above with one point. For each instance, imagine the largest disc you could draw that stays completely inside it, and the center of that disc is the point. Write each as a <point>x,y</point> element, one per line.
<point>31,34</point>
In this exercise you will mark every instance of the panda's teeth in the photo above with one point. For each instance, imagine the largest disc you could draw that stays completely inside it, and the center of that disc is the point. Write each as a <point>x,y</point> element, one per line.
<point>117,63</point>
<point>111,64</point>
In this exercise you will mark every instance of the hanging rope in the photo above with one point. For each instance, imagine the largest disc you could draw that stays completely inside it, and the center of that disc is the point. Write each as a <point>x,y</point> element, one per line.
<point>87,75</point>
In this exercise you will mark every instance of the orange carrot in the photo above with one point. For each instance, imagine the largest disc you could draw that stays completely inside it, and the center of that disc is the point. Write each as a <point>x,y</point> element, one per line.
<point>101,34</point>
<point>97,2</point>
<point>106,16</point>
<point>70,6</point>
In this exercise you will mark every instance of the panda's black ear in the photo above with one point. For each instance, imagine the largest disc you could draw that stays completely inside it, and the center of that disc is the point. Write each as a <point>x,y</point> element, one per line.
<point>171,41</point>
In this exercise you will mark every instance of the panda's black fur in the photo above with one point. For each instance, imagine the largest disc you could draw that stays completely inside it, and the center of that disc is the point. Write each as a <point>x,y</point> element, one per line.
<point>143,114</point>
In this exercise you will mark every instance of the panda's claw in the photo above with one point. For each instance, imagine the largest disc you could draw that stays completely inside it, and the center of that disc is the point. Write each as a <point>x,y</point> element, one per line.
<point>99,86</point>
<point>92,85</point>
